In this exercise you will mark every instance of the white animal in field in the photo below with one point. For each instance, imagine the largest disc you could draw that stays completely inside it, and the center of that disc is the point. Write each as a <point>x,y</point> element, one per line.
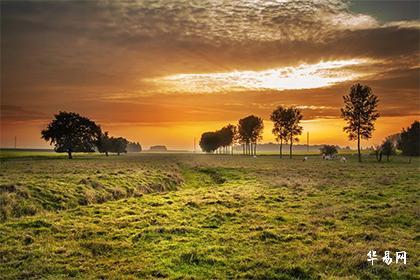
<point>328,157</point>
<point>305,158</point>
<point>343,159</point>
<point>255,156</point>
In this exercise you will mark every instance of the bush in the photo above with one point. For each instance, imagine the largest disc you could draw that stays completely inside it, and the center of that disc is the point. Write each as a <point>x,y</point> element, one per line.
<point>329,150</point>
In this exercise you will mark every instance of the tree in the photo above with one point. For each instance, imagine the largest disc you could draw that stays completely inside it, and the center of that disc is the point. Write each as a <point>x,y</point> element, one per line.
<point>278,117</point>
<point>409,141</point>
<point>134,147</point>
<point>328,150</point>
<point>378,153</point>
<point>360,113</point>
<point>388,148</point>
<point>119,145</point>
<point>104,144</point>
<point>293,116</point>
<point>69,132</point>
<point>209,142</point>
<point>250,132</point>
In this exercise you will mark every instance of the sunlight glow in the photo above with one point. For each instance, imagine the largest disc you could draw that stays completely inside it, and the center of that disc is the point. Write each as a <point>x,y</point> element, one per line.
<point>304,76</point>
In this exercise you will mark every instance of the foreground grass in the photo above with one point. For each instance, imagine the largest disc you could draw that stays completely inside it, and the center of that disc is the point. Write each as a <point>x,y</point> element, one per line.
<point>225,217</point>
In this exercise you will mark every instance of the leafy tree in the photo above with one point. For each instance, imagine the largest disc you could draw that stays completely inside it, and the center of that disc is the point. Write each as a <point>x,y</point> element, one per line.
<point>377,151</point>
<point>360,113</point>
<point>69,132</point>
<point>119,145</point>
<point>227,136</point>
<point>328,150</point>
<point>278,117</point>
<point>293,116</point>
<point>209,142</point>
<point>409,142</point>
<point>104,144</point>
<point>134,147</point>
<point>250,132</point>
<point>388,148</point>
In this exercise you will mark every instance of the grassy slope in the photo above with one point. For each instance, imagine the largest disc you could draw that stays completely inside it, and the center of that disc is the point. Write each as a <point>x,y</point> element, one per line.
<point>231,217</point>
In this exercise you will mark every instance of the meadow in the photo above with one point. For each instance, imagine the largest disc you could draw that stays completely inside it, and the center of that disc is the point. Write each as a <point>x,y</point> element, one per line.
<point>196,216</point>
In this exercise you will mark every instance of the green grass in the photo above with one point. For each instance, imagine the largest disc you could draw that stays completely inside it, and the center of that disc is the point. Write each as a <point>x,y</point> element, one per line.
<point>185,216</point>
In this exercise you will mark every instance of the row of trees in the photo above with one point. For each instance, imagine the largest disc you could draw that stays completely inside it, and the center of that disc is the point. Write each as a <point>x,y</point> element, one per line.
<point>359,111</point>
<point>408,141</point>
<point>248,132</point>
<point>220,141</point>
<point>69,132</point>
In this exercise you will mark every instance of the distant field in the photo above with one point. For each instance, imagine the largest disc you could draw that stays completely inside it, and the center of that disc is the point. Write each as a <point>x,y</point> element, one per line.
<point>195,216</point>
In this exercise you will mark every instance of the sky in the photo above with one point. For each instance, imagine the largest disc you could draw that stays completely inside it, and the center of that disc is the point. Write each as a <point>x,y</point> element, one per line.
<point>164,72</point>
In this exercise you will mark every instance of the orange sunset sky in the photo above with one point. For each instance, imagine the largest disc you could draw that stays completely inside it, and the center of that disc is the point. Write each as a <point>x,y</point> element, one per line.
<point>163,71</point>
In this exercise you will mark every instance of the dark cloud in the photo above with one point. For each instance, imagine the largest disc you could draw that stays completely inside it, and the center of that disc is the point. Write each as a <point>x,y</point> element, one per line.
<point>94,56</point>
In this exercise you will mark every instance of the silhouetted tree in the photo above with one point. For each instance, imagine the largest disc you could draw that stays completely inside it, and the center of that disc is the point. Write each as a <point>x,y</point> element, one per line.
<point>388,148</point>
<point>69,132</point>
<point>250,132</point>
<point>328,150</point>
<point>118,145</point>
<point>278,117</point>
<point>360,113</point>
<point>293,116</point>
<point>378,152</point>
<point>409,142</point>
<point>134,147</point>
<point>209,142</point>
<point>104,144</point>
<point>227,136</point>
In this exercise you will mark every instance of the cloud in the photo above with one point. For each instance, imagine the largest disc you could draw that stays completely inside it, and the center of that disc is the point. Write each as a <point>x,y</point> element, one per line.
<point>322,74</point>
<point>96,56</point>
<point>11,113</point>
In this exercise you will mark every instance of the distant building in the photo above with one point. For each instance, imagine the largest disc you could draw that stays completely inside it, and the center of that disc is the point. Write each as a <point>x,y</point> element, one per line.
<point>158,148</point>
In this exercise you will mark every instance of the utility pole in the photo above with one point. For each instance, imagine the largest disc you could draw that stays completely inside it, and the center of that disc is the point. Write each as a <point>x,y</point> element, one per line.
<point>307,141</point>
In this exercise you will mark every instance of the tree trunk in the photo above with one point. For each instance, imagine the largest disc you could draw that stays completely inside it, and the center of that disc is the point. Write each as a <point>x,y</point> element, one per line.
<point>291,146</point>
<point>106,153</point>
<point>118,153</point>
<point>358,145</point>
<point>387,157</point>
<point>281,148</point>
<point>69,153</point>
<point>255,149</point>
<point>243,149</point>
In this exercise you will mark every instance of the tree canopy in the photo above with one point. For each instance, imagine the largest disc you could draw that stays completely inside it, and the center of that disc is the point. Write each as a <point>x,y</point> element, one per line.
<point>69,132</point>
<point>218,140</point>
<point>209,141</point>
<point>134,147</point>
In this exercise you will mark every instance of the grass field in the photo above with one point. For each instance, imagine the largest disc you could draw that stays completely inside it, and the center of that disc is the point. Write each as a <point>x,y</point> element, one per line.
<point>186,216</point>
